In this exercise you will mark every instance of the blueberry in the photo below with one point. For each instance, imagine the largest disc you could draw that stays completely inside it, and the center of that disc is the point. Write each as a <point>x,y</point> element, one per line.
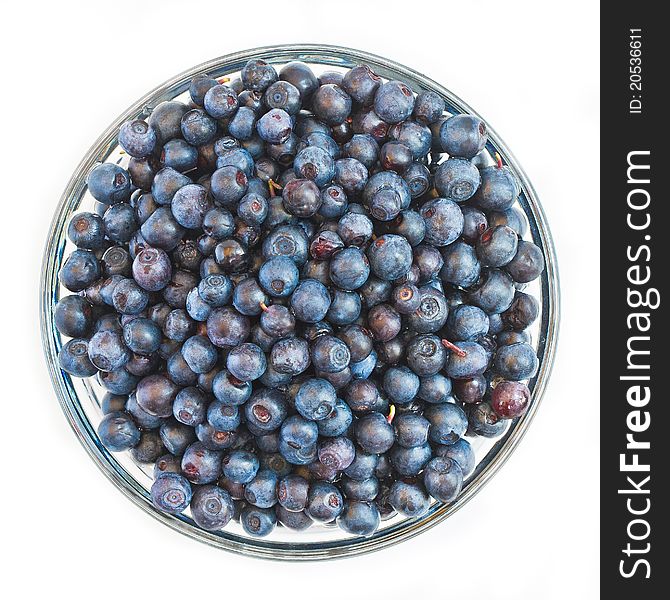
<point>142,336</point>
<point>390,257</point>
<point>512,217</point>
<point>336,452</point>
<point>330,354</point>
<point>199,86</point>
<point>190,204</point>
<point>460,452</point>
<point>301,197</point>
<point>228,185</point>
<point>474,224</point>
<point>301,76</point>
<point>117,261</point>
<point>258,522</point>
<point>73,316</point>
<point>432,312</point>
<point>231,256</point>
<point>73,359</point>
<point>315,164</point>
<point>516,362</point>
<point>463,136</point>
<point>227,327</point>
<point>109,183</point>
<point>363,368</point>
<point>461,266</point>
<point>297,432</point>
<point>149,448</point>
<point>331,104</point>
<point>155,395</point>
<point>349,268</point>
<point>357,340</point>
<point>497,246</point>
<point>258,75</point>
<point>522,312</point>
<point>223,417</point>
<point>324,502</point>
<point>137,138</point>
<point>292,493</point>
<point>290,356</point>
<point>80,270</point>
<point>414,136</point>
<point>364,148</point>
<point>351,175</point>
<point>373,433</point>
<point>220,102</point>
<point>284,96</point>
<point>499,189</point>
<point>178,325</point>
<point>266,410</point>
<point>468,361</point>
<point>411,430</point>
<point>161,230</point>
<point>310,301</point>
<point>211,507</point>
<point>425,355</point>
<point>179,155</point>
<point>418,179</point>
<point>323,141</point>
<point>354,229</point>
<point>361,83</point>
<point>240,466</point>
<point>510,399</point>
<point>443,479</point>
<point>359,518</point>
<point>248,297</point>
<point>527,263</point>
<point>166,183</point>
<point>261,491</point>
<point>171,493</point>
<point>409,462</point>
<point>198,127</point>
<point>394,101</point>
<point>435,389</point>
<point>337,422</point>
<point>199,353</point>
<point>401,384</point>
<point>246,362</point>
<point>274,126</point>
<point>409,499</point>
<point>467,323</point>
<point>457,179</point>
<point>386,194</point>
<point>428,107</point>
<point>494,293</point>
<point>215,290</point>
<point>315,399</point>
<point>128,298</point>
<point>277,321</point>
<point>448,422</point>
<point>86,230</point>
<point>167,463</point>
<point>240,158</point>
<point>444,221</point>
<point>278,276</point>
<point>297,521</point>
<point>165,120</point>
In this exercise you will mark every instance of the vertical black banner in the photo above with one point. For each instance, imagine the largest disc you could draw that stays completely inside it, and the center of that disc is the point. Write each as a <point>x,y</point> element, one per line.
<point>635,356</point>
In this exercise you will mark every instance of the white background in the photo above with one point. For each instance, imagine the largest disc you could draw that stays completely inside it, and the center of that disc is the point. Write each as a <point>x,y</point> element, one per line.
<point>530,68</point>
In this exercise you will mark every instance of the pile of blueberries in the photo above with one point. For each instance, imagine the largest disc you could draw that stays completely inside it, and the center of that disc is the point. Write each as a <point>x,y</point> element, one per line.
<point>301,294</point>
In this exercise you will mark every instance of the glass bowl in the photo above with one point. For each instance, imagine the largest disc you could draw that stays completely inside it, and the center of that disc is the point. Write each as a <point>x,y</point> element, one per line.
<point>80,399</point>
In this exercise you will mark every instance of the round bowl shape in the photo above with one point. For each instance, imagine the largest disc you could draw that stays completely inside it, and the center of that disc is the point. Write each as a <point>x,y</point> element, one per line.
<point>81,399</point>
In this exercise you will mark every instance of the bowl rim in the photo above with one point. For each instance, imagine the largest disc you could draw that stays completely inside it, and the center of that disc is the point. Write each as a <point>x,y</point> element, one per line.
<point>325,55</point>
